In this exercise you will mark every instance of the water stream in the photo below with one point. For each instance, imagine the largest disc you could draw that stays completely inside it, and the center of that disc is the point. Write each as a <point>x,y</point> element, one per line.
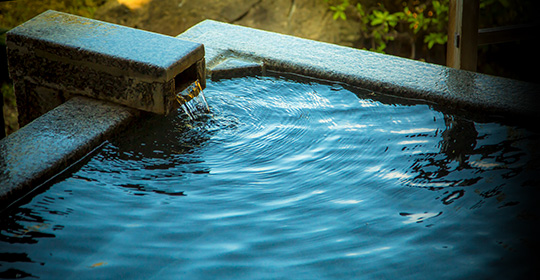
<point>290,180</point>
<point>192,100</point>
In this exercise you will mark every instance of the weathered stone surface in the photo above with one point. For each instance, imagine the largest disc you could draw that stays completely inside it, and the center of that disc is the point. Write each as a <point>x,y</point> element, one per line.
<point>234,67</point>
<point>52,142</point>
<point>61,54</point>
<point>30,155</point>
<point>389,74</point>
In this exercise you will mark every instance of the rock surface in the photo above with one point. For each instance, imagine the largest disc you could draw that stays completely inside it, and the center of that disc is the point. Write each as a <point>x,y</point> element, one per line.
<point>308,19</point>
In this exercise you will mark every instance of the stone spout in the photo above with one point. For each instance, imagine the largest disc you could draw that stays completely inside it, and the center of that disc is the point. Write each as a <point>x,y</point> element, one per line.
<point>55,56</point>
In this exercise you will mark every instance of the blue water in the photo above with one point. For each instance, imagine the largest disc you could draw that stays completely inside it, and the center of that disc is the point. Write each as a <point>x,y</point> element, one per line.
<point>290,180</point>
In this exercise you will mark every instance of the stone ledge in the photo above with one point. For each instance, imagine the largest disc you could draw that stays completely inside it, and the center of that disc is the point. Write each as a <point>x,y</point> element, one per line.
<point>54,141</point>
<point>234,67</point>
<point>457,89</point>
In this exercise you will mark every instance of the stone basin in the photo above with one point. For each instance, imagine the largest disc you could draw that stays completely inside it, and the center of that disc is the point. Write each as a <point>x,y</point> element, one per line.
<point>61,126</point>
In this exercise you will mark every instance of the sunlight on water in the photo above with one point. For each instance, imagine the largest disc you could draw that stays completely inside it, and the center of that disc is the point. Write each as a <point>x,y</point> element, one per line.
<point>418,218</point>
<point>289,180</point>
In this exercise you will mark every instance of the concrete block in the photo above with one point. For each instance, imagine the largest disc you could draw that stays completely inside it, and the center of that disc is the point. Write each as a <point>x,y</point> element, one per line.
<point>56,55</point>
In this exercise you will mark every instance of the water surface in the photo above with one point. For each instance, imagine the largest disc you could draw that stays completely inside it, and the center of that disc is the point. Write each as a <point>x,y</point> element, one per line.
<point>289,180</point>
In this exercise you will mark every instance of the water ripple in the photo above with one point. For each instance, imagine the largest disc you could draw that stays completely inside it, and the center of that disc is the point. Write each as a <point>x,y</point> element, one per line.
<point>284,180</point>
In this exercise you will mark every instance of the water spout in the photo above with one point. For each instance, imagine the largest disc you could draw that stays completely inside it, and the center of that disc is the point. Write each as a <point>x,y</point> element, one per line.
<point>192,100</point>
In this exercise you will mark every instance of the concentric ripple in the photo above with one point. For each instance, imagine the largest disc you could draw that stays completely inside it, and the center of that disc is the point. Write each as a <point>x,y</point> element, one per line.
<point>289,180</point>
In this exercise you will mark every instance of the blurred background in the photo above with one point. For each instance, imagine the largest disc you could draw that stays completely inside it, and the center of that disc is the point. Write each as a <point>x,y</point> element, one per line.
<point>415,29</point>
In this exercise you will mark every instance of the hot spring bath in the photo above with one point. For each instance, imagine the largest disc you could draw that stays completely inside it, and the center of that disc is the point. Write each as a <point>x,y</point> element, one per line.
<point>287,179</point>
<point>282,179</point>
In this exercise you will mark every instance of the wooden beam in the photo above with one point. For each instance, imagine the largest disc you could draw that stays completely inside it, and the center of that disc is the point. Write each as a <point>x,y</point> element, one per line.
<point>505,34</point>
<point>462,48</point>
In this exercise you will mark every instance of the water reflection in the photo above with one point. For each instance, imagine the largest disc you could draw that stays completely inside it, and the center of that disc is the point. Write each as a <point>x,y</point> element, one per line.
<point>160,137</point>
<point>459,141</point>
<point>469,158</point>
<point>159,143</point>
<point>153,155</point>
<point>419,218</point>
<point>23,227</point>
<point>264,185</point>
<point>12,273</point>
<point>143,190</point>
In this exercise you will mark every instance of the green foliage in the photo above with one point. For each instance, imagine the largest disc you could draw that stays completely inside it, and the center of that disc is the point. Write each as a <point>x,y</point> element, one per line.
<point>10,107</point>
<point>8,94</point>
<point>435,38</point>
<point>339,10</point>
<point>382,26</point>
<point>384,21</point>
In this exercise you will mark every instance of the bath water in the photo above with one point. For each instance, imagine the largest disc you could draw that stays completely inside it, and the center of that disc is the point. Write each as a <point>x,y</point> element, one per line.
<point>285,179</point>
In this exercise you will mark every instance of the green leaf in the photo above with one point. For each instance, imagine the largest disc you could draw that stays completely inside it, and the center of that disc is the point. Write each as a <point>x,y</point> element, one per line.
<point>381,47</point>
<point>376,21</point>
<point>399,15</point>
<point>435,38</point>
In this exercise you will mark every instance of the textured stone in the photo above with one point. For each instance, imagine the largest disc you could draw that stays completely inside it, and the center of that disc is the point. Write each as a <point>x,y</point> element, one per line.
<point>59,55</point>
<point>52,142</point>
<point>458,89</point>
<point>234,67</point>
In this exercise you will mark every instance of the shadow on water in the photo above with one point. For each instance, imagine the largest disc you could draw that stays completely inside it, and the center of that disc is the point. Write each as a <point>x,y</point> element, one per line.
<point>156,149</point>
<point>459,140</point>
<point>22,227</point>
<point>503,165</point>
<point>457,145</point>
<point>17,232</point>
<point>152,137</point>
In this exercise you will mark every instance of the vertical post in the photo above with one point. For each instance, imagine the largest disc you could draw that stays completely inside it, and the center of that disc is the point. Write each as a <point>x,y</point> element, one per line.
<point>462,45</point>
